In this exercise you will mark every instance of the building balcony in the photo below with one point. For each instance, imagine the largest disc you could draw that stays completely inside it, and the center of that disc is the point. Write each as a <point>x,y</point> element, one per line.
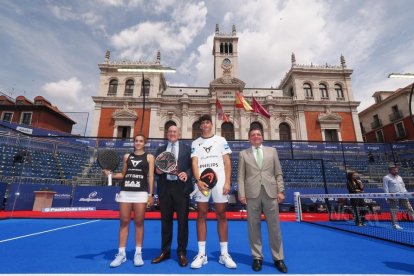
<point>376,124</point>
<point>395,116</point>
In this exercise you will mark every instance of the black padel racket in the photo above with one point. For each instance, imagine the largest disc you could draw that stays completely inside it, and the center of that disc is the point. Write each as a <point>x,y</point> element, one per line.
<point>209,177</point>
<point>108,160</point>
<point>166,162</point>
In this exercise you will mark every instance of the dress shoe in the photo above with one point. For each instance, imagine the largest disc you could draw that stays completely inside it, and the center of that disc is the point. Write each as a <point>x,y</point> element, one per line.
<point>162,257</point>
<point>280,265</point>
<point>182,260</point>
<point>257,265</point>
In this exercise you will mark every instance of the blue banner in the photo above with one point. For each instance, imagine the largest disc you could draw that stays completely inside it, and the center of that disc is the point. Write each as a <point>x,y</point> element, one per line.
<point>101,197</point>
<point>22,196</point>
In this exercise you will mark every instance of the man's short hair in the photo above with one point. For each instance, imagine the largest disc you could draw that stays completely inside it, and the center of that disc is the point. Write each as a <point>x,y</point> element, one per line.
<point>392,165</point>
<point>256,128</point>
<point>205,117</point>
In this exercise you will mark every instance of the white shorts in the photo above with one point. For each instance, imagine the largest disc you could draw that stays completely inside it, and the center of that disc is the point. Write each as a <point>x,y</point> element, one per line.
<point>216,193</point>
<point>131,197</point>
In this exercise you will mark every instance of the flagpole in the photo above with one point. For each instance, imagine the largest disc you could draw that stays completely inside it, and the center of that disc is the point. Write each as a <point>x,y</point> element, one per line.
<point>234,113</point>
<point>215,117</point>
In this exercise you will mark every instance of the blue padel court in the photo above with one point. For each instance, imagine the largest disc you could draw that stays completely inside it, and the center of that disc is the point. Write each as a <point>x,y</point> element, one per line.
<point>87,246</point>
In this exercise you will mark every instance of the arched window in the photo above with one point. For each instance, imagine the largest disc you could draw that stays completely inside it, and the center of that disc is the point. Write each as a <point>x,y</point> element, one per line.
<point>324,91</point>
<point>226,48</point>
<point>146,89</point>
<point>307,88</point>
<point>231,48</point>
<point>221,48</point>
<point>339,91</point>
<point>113,86</point>
<point>166,126</point>
<point>129,88</point>
<point>284,132</point>
<point>227,131</point>
<point>196,130</point>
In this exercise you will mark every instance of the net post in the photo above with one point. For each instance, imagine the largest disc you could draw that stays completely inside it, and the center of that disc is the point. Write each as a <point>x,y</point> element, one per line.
<point>298,206</point>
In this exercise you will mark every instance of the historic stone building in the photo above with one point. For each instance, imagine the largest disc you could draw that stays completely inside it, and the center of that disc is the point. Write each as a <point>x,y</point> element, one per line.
<point>312,102</point>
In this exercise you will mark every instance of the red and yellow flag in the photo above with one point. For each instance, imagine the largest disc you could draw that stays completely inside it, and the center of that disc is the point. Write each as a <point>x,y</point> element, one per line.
<point>242,103</point>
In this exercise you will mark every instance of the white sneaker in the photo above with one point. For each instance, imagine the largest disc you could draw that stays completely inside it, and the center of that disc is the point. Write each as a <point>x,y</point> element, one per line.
<point>138,259</point>
<point>199,261</point>
<point>119,259</point>
<point>227,261</point>
<point>396,226</point>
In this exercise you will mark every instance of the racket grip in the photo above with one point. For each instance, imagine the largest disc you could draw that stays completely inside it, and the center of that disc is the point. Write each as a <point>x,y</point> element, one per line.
<point>110,179</point>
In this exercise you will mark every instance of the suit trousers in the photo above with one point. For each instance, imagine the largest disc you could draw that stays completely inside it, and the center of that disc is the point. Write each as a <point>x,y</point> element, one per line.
<point>270,208</point>
<point>173,199</point>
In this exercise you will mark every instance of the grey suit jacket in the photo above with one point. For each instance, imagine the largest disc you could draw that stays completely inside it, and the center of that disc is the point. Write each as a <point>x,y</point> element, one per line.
<point>251,177</point>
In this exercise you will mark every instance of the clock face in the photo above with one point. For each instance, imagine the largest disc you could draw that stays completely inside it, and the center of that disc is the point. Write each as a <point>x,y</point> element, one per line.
<point>226,62</point>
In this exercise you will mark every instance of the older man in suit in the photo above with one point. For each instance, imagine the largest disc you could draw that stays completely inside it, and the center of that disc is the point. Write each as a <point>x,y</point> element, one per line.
<point>173,192</point>
<point>261,187</point>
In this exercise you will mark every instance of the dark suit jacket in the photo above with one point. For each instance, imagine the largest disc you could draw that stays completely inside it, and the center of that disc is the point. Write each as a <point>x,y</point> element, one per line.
<point>184,165</point>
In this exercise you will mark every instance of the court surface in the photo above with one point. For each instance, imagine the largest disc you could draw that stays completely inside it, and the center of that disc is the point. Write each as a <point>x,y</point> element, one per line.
<point>87,246</point>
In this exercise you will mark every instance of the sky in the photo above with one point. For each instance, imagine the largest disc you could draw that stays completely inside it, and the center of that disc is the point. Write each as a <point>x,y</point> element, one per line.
<point>53,48</point>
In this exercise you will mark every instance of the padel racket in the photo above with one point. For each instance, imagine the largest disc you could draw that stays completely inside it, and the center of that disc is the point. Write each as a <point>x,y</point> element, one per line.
<point>108,160</point>
<point>166,162</point>
<point>209,177</point>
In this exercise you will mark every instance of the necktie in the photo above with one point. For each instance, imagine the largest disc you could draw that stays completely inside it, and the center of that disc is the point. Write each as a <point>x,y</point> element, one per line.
<point>173,151</point>
<point>259,157</point>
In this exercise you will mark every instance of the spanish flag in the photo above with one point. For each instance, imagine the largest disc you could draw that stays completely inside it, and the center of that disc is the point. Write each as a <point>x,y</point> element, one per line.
<point>242,103</point>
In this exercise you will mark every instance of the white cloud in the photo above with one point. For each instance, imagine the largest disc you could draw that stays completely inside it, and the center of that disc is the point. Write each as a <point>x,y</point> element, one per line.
<point>204,63</point>
<point>68,95</point>
<point>90,18</point>
<point>114,3</point>
<point>171,37</point>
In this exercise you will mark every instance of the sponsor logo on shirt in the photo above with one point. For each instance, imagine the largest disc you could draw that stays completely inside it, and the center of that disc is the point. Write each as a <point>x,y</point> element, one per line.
<point>207,149</point>
<point>135,163</point>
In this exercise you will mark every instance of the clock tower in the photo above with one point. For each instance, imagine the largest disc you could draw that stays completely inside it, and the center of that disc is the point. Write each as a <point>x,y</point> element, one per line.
<point>225,54</point>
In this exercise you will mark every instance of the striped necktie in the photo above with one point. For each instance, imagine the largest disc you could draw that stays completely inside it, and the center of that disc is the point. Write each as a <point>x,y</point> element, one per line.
<point>173,151</point>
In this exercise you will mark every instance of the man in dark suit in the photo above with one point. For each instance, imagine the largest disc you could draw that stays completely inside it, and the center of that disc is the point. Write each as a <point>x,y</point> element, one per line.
<point>261,187</point>
<point>173,193</point>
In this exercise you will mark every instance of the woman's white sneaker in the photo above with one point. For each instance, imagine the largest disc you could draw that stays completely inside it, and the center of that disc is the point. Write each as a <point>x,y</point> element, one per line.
<point>119,259</point>
<point>199,261</point>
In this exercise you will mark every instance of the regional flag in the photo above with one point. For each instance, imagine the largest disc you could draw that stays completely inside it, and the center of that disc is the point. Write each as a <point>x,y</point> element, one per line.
<point>242,103</point>
<point>258,108</point>
<point>220,113</point>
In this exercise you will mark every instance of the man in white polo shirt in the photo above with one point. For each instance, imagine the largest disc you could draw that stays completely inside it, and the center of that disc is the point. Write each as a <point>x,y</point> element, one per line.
<point>211,151</point>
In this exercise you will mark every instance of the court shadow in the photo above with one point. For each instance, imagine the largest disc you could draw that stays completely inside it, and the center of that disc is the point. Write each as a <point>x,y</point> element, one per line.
<point>401,266</point>
<point>108,255</point>
<point>237,257</point>
<point>147,253</point>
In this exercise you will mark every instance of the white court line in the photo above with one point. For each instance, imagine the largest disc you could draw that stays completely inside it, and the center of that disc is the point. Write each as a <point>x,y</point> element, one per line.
<point>47,231</point>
